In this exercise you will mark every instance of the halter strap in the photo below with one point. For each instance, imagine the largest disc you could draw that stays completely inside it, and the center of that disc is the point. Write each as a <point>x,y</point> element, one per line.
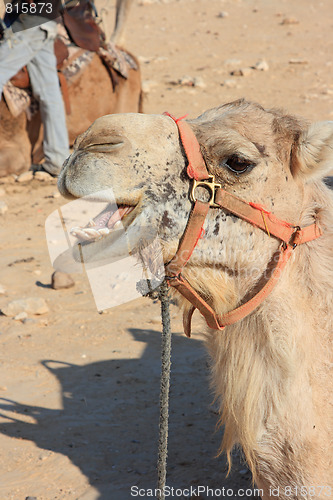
<point>289,235</point>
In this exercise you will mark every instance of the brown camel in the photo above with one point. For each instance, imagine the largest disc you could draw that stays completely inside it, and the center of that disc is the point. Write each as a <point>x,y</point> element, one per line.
<point>92,95</point>
<point>272,369</point>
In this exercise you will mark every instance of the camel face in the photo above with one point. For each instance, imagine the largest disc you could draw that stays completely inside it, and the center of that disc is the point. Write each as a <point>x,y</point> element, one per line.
<point>141,159</point>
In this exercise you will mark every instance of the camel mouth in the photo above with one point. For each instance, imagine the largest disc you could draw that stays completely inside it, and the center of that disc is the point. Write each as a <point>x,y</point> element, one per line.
<point>114,216</point>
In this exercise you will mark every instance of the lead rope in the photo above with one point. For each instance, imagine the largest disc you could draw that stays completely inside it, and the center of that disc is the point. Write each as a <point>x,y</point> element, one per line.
<point>164,390</point>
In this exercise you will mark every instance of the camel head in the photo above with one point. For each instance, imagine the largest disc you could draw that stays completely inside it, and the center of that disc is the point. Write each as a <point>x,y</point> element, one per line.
<point>261,156</point>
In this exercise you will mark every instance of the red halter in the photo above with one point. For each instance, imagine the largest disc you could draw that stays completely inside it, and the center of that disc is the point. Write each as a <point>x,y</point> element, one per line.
<point>290,236</point>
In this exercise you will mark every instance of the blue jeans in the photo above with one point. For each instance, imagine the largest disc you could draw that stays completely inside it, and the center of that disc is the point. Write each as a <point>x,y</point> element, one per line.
<point>33,46</point>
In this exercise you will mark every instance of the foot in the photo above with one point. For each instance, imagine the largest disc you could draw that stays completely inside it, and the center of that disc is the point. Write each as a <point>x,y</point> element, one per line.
<point>45,167</point>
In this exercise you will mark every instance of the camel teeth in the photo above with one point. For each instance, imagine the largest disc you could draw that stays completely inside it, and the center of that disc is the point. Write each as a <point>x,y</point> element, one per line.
<point>118,225</point>
<point>91,223</point>
<point>82,234</point>
<point>74,230</point>
<point>89,233</point>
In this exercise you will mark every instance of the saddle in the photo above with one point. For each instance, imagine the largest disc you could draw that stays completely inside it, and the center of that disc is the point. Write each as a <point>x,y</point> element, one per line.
<point>81,26</point>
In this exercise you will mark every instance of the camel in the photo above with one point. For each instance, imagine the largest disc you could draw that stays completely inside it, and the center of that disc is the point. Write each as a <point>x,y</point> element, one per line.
<point>91,95</point>
<point>271,369</point>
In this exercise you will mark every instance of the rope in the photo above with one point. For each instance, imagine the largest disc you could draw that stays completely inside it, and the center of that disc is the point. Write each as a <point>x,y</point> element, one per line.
<point>164,390</point>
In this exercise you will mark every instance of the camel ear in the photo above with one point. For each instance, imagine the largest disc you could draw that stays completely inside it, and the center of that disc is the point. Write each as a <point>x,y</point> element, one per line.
<point>312,153</point>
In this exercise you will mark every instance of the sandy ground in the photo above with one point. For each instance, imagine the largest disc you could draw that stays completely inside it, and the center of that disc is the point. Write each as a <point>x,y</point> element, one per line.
<point>79,389</point>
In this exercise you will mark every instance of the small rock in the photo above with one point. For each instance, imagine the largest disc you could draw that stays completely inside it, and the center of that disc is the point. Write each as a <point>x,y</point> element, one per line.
<point>2,290</point>
<point>186,81</point>
<point>190,81</point>
<point>298,61</point>
<point>61,280</point>
<point>31,305</point>
<point>289,20</point>
<point>30,498</point>
<point>43,176</point>
<point>25,177</point>
<point>241,72</point>
<point>144,60</point>
<point>45,455</point>
<point>55,194</point>
<point>3,207</point>
<point>246,71</point>
<point>29,321</point>
<point>148,85</point>
<point>230,83</point>
<point>261,65</point>
<point>21,316</point>
<point>223,14</point>
<point>232,62</point>
<point>199,82</point>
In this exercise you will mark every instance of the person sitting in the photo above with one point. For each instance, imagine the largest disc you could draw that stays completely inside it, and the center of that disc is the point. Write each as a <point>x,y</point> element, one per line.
<point>28,39</point>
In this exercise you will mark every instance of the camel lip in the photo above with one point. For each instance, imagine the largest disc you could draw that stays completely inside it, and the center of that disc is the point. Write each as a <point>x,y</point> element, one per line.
<point>115,216</point>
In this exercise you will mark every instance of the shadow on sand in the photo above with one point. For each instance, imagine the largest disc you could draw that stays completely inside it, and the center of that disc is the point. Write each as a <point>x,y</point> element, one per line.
<point>108,426</point>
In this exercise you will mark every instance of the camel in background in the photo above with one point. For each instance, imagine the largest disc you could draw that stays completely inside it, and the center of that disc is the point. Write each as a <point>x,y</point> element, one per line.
<point>91,95</point>
<point>272,369</point>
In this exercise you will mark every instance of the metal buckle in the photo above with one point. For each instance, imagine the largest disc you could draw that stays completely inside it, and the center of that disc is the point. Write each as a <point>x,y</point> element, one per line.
<point>211,185</point>
<point>293,236</point>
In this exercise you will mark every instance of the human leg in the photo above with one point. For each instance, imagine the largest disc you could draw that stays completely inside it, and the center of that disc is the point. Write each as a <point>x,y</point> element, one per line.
<point>16,51</point>
<point>45,85</point>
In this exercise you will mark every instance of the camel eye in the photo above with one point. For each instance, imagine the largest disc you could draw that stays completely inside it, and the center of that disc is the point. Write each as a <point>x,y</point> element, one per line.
<point>237,164</point>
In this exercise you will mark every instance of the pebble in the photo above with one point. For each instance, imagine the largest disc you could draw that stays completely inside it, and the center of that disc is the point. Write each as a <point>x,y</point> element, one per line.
<point>261,65</point>
<point>289,20</point>
<point>2,290</point>
<point>144,60</point>
<point>30,305</point>
<point>30,498</point>
<point>230,83</point>
<point>148,85</point>
<point>29,321</point>
<point>189,81</point>
<point>21,316</point>
<point>241,72</point>
<point>61,280</point>
<point>55,194</point>
<point>43,176</point>
<point>3,207</point>
<point>223,14</point>
<point>298,61</point>
<point>232,62</point>
<point>25,177</point>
